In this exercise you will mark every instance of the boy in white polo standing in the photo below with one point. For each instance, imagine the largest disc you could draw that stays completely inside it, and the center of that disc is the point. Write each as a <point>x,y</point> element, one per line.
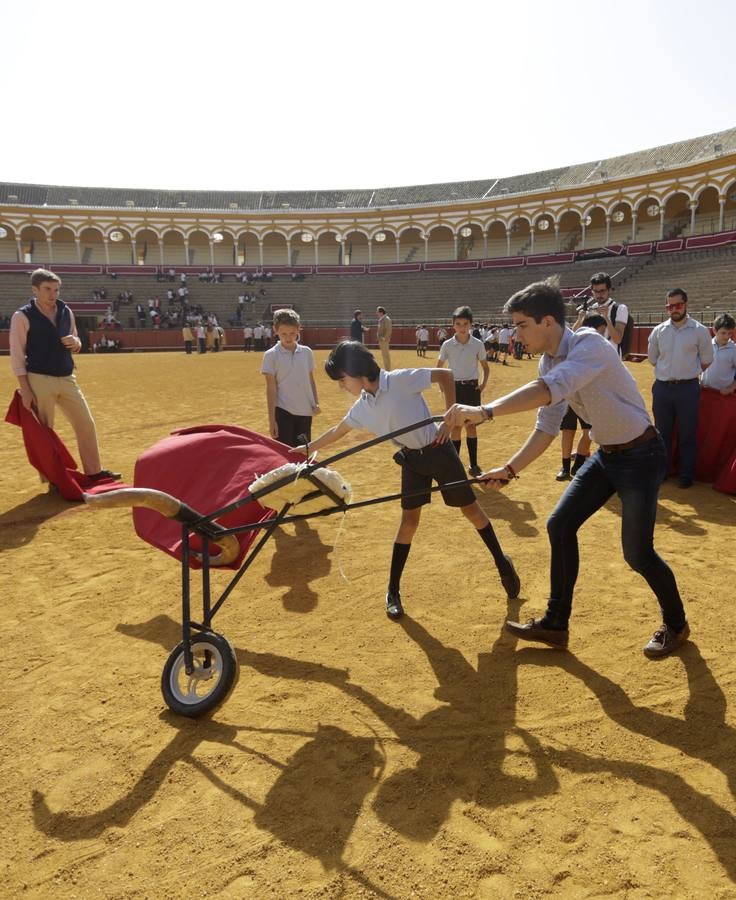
<point>463,353</point>
<point>291,394</point>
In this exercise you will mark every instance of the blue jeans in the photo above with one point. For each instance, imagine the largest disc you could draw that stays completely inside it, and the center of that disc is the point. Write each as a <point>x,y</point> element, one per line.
<point>635,475</point>
<point>677,405</point>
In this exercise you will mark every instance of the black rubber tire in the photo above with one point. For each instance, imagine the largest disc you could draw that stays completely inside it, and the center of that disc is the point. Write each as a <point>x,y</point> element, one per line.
<point>223,669</point>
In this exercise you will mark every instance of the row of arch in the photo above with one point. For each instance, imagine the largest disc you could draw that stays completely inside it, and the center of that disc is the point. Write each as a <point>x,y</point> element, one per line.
<point>649,217</point>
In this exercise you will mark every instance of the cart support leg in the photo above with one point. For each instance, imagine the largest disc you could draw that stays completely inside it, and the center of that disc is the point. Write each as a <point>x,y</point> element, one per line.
<point>186,628</point>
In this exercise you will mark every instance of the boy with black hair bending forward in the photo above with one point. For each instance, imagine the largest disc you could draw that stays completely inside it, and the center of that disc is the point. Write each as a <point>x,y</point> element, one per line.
<point>385,402</point>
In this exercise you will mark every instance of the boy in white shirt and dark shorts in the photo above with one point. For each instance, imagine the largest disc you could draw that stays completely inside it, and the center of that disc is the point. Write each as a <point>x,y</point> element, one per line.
<point>386,402</point>
<point>291,394</point>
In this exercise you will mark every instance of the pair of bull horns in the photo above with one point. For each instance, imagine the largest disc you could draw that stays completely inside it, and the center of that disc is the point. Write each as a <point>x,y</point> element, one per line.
<point>169,507</point>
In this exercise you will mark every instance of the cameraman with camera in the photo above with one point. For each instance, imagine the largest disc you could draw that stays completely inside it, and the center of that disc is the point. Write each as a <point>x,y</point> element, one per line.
<point>616,315</point>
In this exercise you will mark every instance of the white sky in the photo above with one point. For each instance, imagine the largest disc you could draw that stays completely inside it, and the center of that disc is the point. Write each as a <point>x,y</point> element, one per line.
<point>231,94</point>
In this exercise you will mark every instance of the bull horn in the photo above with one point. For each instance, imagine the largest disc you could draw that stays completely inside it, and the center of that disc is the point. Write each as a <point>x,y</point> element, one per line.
<point>170,508</point>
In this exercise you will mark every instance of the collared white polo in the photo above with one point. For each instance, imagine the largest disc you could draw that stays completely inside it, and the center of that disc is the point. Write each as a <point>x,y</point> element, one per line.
<point>463,359</point>
<point>293,384</point>
<point>721,372</point>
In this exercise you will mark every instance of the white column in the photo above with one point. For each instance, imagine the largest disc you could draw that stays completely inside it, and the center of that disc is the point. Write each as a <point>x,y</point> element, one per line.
<point>398,247</point>
<point>508,242</point>
<point>557,237</point>
<point>260,253</point>
<point>133,252</point>
<point>661,223</point>
<point>485,245</point>
<point>633,226</point>
<point>693,210</point>
<point>50,249</point>
<point>106,245</point>
<point>19,245</point>
<point>531,246</point>
<point>78,242</point>
<point>426,248</point>
<point>608,230</point>
<point>721,212</point>
<point>454,246</point>
<point>161,252</point>
<point>582,238</point>
<point>316,251</point>
<point>212,254</point>
<point>370,251</point>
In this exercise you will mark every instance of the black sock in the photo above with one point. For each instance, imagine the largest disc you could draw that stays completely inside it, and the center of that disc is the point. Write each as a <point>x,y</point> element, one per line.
<point>398,561</point>
<point>457,445</point>
<point>566,461</point>
<point>491,541</point>
<point>580,459</point>
<point>472,449</point>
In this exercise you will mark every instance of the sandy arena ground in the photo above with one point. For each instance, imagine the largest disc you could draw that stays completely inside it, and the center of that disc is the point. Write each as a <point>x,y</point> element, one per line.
<point>357,757</point>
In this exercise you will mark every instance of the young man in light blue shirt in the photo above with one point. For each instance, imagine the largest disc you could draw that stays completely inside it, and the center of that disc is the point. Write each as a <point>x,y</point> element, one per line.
<point>721,373</point>
<point>583,369</point>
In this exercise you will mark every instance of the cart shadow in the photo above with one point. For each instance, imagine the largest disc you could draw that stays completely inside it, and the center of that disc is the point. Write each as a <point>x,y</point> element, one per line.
<point>468,748</point>
<point>19,525</point>
<point>300,556</point>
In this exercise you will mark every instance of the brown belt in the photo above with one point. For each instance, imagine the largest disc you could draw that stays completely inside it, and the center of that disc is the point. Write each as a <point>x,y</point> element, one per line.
<point>473,381</point>
<point>643,438</point>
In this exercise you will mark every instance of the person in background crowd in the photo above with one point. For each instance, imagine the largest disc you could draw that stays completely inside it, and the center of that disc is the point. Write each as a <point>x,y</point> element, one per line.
<point>720,374</point>
<point>679,349</point>
<point>357,328</point>
<point>384,336</point>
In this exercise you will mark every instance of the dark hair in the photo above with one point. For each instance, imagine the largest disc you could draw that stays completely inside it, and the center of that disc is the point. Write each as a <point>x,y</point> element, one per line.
<point>358,312</point>
<point>39,276</point>
<point>724,321</point>
<point>677,292</point>
<point>601,278</point>
<point>542,298</point>
<point>594,321</point>
<point>463,312</point>
<point>381,310</point>
<point>352,358</point>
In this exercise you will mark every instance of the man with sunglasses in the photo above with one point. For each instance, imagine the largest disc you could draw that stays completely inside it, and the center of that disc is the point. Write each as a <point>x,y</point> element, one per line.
<point>679,349</point>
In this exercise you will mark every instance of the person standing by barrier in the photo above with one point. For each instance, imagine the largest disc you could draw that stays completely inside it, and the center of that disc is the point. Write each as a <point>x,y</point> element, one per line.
<point>384,337</point>
<point>720,374</point>
<point>679,349</point>
<point>43,336</point>
<point>188,338</point>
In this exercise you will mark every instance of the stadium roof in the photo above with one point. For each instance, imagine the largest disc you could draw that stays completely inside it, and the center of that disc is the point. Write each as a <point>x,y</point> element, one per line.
<point>654,159</point>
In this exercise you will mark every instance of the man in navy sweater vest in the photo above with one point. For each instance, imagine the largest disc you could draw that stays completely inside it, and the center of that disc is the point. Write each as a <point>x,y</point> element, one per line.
<point>43,336</point>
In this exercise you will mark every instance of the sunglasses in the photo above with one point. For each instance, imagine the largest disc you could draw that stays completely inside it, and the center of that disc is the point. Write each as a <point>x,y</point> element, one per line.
<point>672,306</point>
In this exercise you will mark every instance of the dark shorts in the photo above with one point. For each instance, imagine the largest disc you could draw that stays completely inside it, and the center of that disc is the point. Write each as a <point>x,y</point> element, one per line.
<point>438,463</point>
<point>291,427</point>
<point>504,348</point>
<point>467,393</point>
<point>571,420</point>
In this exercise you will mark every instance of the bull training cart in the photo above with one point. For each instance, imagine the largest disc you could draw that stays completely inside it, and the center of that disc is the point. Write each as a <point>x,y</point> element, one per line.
<point>202,669</point>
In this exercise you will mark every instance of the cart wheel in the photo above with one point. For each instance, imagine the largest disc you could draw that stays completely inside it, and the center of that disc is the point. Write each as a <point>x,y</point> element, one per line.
<point>214,675</point>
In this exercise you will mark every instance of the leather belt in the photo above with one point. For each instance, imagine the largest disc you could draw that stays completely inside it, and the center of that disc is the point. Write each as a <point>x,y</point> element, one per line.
<point>644,437</point>
<point>473,381</point>
<point>680,380</point>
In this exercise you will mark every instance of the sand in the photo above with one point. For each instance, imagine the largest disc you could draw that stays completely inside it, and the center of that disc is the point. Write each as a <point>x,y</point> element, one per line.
<point>357,757</point>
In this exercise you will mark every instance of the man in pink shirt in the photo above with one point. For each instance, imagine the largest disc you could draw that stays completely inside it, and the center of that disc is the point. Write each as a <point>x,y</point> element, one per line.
<point>43,336</point>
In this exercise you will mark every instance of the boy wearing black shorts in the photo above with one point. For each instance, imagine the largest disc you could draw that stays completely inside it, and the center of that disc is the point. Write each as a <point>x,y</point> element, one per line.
<point>385,402</point>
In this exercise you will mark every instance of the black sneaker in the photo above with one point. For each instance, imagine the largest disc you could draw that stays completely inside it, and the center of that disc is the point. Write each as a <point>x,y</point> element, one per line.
<point>475,471</point>
<point>105,473</point>
<point>394,609</point>
<point>563,475</point>
<point>509,579</point>
<point>665,640</point>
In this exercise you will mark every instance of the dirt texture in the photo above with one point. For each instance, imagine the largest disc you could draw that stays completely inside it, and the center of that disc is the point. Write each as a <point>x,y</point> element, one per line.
<point>357,757</point>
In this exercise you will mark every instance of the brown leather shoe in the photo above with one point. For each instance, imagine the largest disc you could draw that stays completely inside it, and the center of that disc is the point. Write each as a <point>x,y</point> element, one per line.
<point>665,640</point>
<point>533,630</point>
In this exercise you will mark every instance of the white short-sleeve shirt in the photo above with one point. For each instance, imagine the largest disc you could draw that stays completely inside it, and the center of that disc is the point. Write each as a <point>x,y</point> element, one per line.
<point>463,359</point>
<point>398,402</point>
<point>293,385</point>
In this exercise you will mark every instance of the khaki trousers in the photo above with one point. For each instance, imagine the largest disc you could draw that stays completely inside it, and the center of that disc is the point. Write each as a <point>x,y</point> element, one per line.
<point>383,344</point>
<point>53,390</point>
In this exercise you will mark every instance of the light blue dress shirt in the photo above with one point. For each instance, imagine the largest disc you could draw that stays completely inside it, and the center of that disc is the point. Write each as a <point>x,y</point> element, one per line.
<point>679,354</point>
<point>588,373</point>
<point>721,372</point>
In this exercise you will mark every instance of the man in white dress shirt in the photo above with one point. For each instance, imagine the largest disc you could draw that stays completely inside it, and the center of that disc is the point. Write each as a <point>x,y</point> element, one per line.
<point>583,369</point>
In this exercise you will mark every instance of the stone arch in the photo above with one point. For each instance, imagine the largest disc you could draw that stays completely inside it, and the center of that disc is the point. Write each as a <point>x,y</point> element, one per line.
<point>729,209</point>
<point>473,245</point>
<point>676,206</point>
<point>224,251</point>
<point>172,241</point>
<point>621,226</point>
<point>275,248</point>
<point>34,248</point>
<point>92,245</point>
<point>64,244</point>
<point>570,230</point>
<point>147,247</point>
<point>356,247</point>
<point>520,235</point>
<point>8,244</point>
<point>708,211</point>
<point>496,238</point>
<point>647,225</point>
<point>440,244</point>
<point>198,239</point>
<point>384,251</point>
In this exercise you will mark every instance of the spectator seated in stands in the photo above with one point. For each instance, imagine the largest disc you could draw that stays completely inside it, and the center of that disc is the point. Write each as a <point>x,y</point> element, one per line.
<point>113,275</point>
<point>106,345</point>
<point>172,274</point>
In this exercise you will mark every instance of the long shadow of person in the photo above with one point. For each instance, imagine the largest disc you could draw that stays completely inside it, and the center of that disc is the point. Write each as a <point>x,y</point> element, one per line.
<point>702,733</point>
<point>299,557</point>
<point>19,525</point>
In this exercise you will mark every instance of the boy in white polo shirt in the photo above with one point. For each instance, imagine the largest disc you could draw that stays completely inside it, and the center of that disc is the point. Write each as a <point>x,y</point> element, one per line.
<point>386,402</point>
<point>463,353</point>
<point>291,394</point>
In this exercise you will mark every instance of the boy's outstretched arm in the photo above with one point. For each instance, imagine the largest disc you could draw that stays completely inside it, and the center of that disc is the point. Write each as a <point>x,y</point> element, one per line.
<point>324,440</point>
